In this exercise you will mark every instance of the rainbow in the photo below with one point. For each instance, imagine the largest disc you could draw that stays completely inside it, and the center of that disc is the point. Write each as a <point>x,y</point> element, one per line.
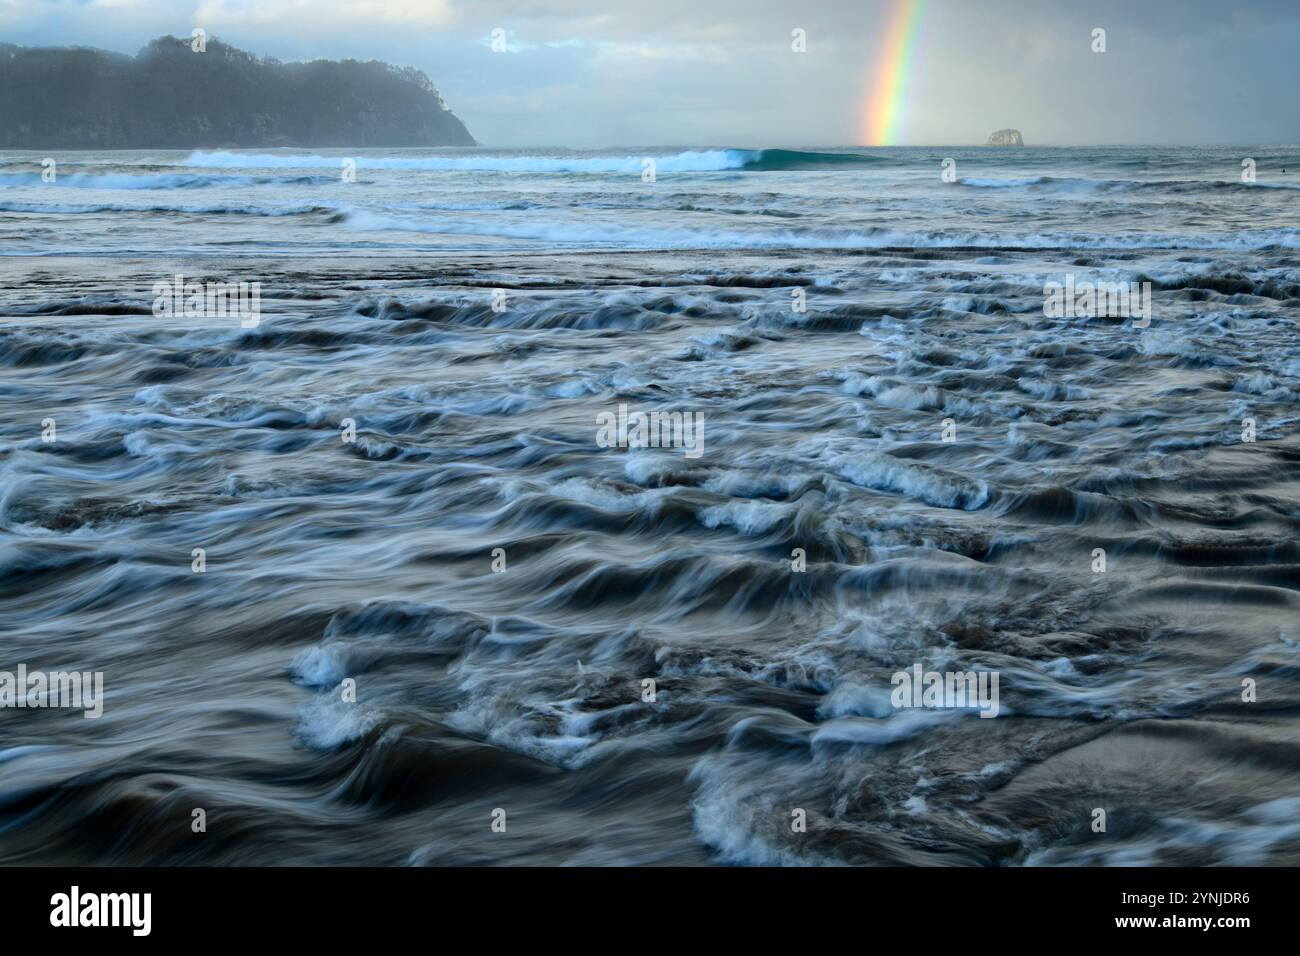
<point>886,93</point>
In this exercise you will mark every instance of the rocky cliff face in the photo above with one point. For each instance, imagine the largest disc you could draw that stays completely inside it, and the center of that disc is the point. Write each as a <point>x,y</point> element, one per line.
<point>170,96</point>
<point>1006,137</point>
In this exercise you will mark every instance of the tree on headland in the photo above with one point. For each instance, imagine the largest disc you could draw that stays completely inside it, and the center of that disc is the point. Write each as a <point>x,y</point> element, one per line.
<point>169,96</point>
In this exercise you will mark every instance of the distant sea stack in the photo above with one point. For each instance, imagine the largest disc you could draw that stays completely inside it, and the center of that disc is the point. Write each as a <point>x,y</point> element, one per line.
<point>1006,137</point>
<point>169,96</point>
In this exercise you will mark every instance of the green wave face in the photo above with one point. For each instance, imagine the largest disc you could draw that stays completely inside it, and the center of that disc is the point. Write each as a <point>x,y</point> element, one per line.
<point>778,159</point>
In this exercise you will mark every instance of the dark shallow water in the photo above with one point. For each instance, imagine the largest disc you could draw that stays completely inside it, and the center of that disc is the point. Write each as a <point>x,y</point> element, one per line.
<point>522,690</point>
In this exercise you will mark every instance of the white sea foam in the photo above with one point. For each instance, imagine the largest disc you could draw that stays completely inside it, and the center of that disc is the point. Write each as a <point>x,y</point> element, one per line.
<point>883,473</point>
<point>689,161</point>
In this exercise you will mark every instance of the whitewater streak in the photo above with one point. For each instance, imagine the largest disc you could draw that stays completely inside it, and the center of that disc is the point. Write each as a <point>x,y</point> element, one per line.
<point>690,161</point>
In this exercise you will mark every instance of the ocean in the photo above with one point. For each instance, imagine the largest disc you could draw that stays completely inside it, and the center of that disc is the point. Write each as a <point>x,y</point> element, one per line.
<point>614,507</point>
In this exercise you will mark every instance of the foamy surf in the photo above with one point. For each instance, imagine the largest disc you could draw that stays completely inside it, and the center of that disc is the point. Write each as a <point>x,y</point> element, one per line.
<point>428,588</point>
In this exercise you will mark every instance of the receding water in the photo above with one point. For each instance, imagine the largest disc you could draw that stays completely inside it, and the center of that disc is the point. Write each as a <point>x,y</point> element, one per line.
<point>648,676</point>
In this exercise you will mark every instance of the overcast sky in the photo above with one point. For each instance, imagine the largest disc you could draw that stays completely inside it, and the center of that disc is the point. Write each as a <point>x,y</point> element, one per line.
<point>722,72</point>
